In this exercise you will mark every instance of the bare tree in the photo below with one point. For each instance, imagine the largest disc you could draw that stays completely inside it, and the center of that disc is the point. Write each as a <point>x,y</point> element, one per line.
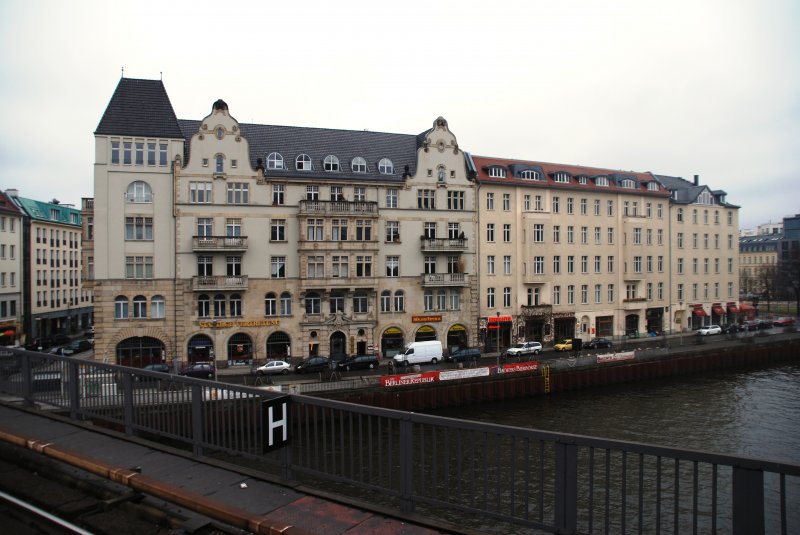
<point>769,283</point>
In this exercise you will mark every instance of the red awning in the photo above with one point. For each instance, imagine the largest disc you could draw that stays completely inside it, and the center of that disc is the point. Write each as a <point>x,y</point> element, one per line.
<point>698,311</point>
<point>744,307</point>
<point>718,310</point>
<point>732,308</point>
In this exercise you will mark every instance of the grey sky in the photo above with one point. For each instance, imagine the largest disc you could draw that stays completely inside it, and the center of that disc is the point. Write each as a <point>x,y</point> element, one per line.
<point>708,87</point>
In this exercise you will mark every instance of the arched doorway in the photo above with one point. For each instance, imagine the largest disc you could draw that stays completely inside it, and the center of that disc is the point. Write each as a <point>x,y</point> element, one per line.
<point>279,346</point>
<point>139,351</point>
<point>240,349</point>
<point>456,337</point>
<point>425,333</point>
<point>392,342</point>
<point>338,344</point>
<point>199,349</point>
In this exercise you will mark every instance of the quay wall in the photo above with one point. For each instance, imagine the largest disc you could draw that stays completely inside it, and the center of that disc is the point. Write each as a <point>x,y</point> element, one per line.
<point>575,373</point>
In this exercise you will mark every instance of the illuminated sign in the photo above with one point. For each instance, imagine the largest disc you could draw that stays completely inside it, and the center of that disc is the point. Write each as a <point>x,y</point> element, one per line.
<point>500,319</point>
<point>426,319</point>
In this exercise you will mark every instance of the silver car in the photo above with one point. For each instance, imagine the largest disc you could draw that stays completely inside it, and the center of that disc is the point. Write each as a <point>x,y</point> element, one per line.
<point>274,367</point>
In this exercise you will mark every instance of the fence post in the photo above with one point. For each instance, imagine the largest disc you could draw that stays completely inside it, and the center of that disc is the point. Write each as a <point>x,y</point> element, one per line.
<point>198,420</point>
<point>748,501</point>
<point>406,465</point>
<point>27,381</point>
<point>74,387</point>
<point>566,488</point>
<point>127,396</point>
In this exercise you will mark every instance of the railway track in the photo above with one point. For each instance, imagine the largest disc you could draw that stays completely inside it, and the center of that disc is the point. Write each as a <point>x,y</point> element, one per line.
<point>44,496</point>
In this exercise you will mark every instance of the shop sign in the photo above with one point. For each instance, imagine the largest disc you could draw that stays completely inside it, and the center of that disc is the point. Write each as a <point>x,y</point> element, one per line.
<point>426,319</point>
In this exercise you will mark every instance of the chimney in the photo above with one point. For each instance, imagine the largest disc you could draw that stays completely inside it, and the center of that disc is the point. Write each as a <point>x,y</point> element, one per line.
<point>12,192</point>
<point>696,180</point>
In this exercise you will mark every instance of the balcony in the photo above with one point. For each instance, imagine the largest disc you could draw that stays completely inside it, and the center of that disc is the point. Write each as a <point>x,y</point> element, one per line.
<point>444,279</point>
<point>339,208</point>
<point>443,245</point>
<point>219,282</point>
<point>210,244</point>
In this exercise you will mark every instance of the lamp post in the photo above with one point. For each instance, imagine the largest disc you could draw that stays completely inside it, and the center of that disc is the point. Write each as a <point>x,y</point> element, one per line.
<point>498,339</point>
<point>212,353</point>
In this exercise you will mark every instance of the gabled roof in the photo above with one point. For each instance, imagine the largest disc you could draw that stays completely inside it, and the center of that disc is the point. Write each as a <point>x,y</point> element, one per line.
<point>140,108</point>
<point>7,206</point>
<point>317,143</point>
<point>547,172</point>
<point>686,192</point>
<point>43,211</point>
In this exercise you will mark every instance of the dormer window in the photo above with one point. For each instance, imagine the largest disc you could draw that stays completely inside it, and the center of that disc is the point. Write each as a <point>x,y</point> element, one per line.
<point>497,172</point>
<point>652,186</point>
<point>303,162</point>
<point>359,165</point>
<point>561,177</point>
<point>331,163</point>
<point>386,167</point>
<point>529,174</point>
<point>582,180</point>
<point>601,181</point>
<point>628,184</point>
<point>274,161</point>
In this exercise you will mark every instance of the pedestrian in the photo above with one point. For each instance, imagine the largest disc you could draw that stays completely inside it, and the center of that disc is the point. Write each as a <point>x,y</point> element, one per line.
<point>391,367</point>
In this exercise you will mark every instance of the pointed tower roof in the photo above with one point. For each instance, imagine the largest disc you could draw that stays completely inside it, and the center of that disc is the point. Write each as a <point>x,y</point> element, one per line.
<point>140,108</point>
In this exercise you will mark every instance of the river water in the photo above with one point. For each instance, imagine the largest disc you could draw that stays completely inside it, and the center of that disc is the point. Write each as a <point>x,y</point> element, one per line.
<point>754,413</point>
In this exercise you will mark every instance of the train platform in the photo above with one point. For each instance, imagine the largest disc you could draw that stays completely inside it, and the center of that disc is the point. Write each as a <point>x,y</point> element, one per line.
<point>230,495</point>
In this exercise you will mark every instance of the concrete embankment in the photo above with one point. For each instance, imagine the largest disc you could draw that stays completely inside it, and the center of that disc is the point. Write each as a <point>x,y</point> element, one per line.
<point>580,371</point>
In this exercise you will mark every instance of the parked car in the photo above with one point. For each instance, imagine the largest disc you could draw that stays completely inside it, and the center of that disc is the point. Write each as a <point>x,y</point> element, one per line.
<point>709,329</point>
<point>161,368</point>
<point>783,322</point>
<point>524,348</point>
<point>313,365</point>
<point>733,328</point>
<point>564,345</point>
<point>77,346</point>
<point>598,343</point>
<point>61,339</point>
<point>358,362</point>
<point>274,367</point>
<point>36,343</point>
<point>464,354</point>
<point>200,370</point>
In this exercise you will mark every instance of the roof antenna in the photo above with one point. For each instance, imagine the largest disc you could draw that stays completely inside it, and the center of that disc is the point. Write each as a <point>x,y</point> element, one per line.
<point>161,75</point>
<point>123,72</point>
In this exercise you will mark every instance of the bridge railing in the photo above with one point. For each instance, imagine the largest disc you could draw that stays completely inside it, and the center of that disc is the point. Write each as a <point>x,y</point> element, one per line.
<point>488,477</point>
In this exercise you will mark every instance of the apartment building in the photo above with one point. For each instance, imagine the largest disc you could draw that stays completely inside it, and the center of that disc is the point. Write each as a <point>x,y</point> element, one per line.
<point>215,239</point>
<point>703,229</point>
<point>570,251</point>
<point>11,281</point>
<point>53,301</point>
<point>758,263</point>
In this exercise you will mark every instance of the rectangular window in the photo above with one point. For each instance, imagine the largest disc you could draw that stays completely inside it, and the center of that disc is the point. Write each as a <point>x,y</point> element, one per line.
<point>507,233</point>
<point>139,153</point>
<point>538,233</point>
<point>392,266</point>
<point>233,227</point>
<point>312,193</point>
<point>583,206</point>
<point>200,192</point>
<point>359,194</point>
<point>610,208</point>
<point>556,264</point>
<point>507,297</point>
<point>571,294</point>
<point>278,194</point>
<point>429,265</point>
<point>455,200</point>
<point>278,267</point>
<point>490,232</point>
<point>277,230</point>
<point>138,228</point>
<point>637,264</point>
<point>316,267</point>
<point>598,293</point>
<point>426,199</point>
<point>556,205</point>
<point>597,264</point>
<point>570,234</point>
<point>507,264</point>
<point>127,148</point>
<point>139,267</point>
<point>490,297</point>
<point>584,235</point>
<point>363,230</point>
<point>526,203</point>
<point>363,266</point>
<point>490,264</point>
<point>611,235</point>
<point>570,264</point>
<point>391,198</point>
<point>490,201</point>
<point>429,230</point>
<point>238,193</point>
<point>610,293</point>
<point>151,153</point>
<point>538,203</point>
<point>393,231</point>
<point>637,236</point>
<point>162,154</point>
<point>115,152</point>
<point>314,230</point>
<point>506,202</point>
<point>340,266</point>
<point>597,207</point>
<point>611,264</point>
<point>584,264</point>
<point>556,294</point>
<point>339,229</point>
<point>570,206</point>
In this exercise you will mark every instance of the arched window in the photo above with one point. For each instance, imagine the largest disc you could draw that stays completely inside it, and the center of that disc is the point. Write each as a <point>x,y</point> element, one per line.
<point>529,174</point>
<point>286,304</point>
<point>303,162</point>
<point>331,163</point>
<point>121,307</point>
<point>139,192</point>
<point>203,306</point>
<point>359,165</point>
<point>628,184</point>
<point>219,160</point>
<point>386,301</point>
<point>219,305</point>
<point>385,166</point>
<point>139,307</point>
<point>274,161</point>
<point>158,307</point>
<point>236,305</point>
<point>313,303</point>
<point>399,301</point>
<point>270,304</point>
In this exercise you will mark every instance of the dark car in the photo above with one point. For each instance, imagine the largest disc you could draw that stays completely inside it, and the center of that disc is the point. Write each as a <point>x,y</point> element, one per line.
<point>733,328</point>
<point>313,365</point>
<point>77,346</point>
<point>358,362</point>
<point>161,368</point>
<point>61,339</point>
<point>464,354</point>
<point>36,343</point>
<point>598,343</point>
<point>201,370</point>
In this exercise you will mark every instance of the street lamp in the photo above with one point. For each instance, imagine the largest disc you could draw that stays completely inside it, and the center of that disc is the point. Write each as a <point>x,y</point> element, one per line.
<point>212,353</point>
<point>498,339</point>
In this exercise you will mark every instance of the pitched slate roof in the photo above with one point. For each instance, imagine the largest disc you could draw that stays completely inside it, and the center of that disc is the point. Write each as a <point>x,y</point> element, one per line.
<point>317,143</point>
<point>548,170</point>
<point>686,192</point>
<point>43,211</point>
<point>7,206</point>
<point>140,108</point>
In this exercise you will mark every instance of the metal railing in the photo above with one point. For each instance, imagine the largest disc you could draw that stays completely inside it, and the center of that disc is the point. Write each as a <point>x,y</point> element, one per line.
<point>491,478</point>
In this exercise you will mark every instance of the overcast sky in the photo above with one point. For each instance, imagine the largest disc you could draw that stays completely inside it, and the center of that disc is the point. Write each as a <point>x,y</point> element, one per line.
<point>685,87</point>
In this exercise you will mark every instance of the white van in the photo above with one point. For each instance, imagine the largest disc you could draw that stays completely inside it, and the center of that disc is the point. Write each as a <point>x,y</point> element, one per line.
<point>420,353</point>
